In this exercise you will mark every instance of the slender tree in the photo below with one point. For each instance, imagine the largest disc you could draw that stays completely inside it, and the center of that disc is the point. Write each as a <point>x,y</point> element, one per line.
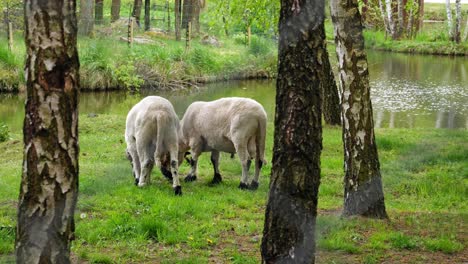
<point>187,12</point>
<point>289,231</point>
<point>363,194</point>
<point>458,20</point>
<point>331,107</point>
<point>448,10</point>
<point>49,184</point>
<point>99,11</point>
<point>86,17</point>
<point>147,14</point>
<point>115,10</point>
<point>177,17</point>
<point>137,10</point>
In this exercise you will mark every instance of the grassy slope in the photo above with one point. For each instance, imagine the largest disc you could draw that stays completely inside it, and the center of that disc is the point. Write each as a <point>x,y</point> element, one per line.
<point>425,180</point>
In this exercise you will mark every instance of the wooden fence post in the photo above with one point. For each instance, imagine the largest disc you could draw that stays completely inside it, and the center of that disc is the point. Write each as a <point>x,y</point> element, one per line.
<point>130,31</point>
<point>10,36</point>
<point>188,36</point>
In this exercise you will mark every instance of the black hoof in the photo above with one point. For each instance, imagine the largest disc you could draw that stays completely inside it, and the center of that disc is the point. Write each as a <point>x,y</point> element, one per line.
<point>178,190</point>
<point>253,185</point>
<point>190,178</point>
<point>243,186</point>
<point>137,181</point>
<point>167,174</point>
<point>217,179</point>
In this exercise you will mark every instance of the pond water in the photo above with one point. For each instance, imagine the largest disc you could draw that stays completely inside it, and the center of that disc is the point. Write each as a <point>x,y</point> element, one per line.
<point>410,91</point>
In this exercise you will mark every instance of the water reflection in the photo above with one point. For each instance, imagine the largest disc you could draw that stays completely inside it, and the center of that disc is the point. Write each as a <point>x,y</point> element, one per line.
<point>407,91</point>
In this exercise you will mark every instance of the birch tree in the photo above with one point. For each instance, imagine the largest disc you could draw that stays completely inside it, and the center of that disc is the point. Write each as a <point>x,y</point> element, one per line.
<point>458,19</point>
<point>448,10</point>
<point>49,183</point>
<point>363,194</point>
<point>289,231</point>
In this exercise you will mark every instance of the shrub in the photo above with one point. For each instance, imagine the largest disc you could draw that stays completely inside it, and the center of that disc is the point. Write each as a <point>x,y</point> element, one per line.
<point>4,132</point>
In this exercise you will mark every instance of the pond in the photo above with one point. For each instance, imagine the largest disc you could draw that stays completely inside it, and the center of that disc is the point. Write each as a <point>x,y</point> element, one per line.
<point>408,91</point>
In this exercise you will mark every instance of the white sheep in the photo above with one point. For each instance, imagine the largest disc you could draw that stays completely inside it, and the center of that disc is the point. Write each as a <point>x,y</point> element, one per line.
<point>228,125</point>
<point>152,136</point>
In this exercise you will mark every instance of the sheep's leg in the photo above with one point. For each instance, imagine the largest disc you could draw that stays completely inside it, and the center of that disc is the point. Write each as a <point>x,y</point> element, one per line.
<point>145,152</point>
<point>245,161</point>
<point>215,161</point>
<point>192,176</point>
<point>175,174</point>
<point>165,168</point>
<point>135,161</point>
<point>258,167</point>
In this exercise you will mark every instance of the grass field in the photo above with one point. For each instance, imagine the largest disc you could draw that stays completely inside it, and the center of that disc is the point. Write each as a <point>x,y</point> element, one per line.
<point>425,176</point>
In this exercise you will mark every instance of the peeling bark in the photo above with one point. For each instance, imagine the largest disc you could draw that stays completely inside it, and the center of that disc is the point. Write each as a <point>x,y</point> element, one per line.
<point>289,230</point>
<point>363,194</point>
<point>49,183</point>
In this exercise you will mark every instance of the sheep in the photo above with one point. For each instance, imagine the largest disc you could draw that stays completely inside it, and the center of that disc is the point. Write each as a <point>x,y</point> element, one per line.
<point>151,135</point>
<point>229,125</point>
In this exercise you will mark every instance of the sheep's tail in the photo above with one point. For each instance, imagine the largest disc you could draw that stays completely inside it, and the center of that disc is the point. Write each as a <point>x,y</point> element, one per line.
<point>260,140</point>
<point>161,122</point>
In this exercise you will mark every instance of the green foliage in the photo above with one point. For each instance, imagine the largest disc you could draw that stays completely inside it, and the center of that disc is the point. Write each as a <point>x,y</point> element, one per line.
<point>203,59</point>
<point>4,132</point>
<point>444,244</point>
<point>7,238</point>
<point>127,77</point>
<point>260,46</point>
<point>402,241</point>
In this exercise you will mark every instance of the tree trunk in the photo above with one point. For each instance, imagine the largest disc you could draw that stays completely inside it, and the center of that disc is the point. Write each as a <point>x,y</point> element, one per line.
<point>391,22</point>
<point>86,17</point>
<point>363,194</point>
<point>449,18</point>
<point>289,231</point>
<point>177,13</point>
<point>115,10</point>
<point>458,20</point>
<point>137,11</point>
<point>186,13</point>
<point>420,15</point>
<point>331,107</point>
<point>384,17</point>
<point>49,184</point>
<point>99,11</point>
<point>147,15</point>
<point>196,17</point>
<point>401,8</point>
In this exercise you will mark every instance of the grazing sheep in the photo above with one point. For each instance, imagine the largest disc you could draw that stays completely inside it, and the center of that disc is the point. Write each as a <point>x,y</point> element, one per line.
<point>151,135</point>
<point>228,125</point>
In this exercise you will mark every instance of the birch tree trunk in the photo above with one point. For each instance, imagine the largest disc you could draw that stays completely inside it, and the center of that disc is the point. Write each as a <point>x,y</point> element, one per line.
<point>49,183</point>
<point>384,17</point>
<point>449,19</point>
<point>457,34</point>
<point>401,8</point>
<point>331,107</point>
<point>465,33</point>
<point>115,10</point>
<point>363,194</point>
<point>177,15</point>
<point>86,17</point>
<point>391,23</point>
<point>289,231</point>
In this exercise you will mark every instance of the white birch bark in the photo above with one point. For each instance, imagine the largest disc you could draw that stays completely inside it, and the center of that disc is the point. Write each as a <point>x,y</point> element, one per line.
<point>458,18</point>
<point>384,17</point>
<point>449,18</point>
<point>391,23</point>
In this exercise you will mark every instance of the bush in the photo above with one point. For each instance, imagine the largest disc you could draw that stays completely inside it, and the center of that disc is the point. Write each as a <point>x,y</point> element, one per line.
<point>259,46</point>
<point>4,132</point>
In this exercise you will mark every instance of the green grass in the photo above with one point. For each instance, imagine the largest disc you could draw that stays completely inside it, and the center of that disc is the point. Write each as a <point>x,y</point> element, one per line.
<point>425,182</point>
